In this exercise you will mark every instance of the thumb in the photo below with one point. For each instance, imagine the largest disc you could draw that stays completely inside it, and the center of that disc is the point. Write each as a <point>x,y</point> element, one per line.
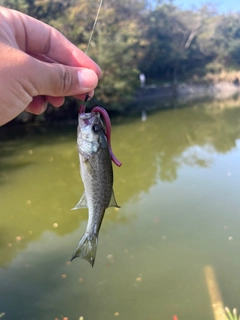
<point>57,80</point>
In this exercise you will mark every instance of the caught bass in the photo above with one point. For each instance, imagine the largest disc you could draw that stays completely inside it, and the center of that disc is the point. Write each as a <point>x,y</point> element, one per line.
<point>95,154</point>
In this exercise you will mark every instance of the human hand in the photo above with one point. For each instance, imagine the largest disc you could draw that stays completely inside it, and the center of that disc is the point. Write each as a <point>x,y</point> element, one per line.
<point>39,65</point>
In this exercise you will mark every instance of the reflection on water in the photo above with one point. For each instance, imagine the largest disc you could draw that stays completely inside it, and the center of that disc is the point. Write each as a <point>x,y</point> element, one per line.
<point>179,194</point>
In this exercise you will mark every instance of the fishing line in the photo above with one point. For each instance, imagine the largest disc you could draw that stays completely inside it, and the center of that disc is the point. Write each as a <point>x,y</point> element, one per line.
<point>91,98</point>
<point>94,25</point>
<point>89,41</point>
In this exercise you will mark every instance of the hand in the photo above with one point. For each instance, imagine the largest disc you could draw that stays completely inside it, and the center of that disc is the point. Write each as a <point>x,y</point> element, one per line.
<point>39,65</point>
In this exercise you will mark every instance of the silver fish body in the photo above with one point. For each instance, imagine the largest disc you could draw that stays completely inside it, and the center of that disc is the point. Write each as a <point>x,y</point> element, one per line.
<point>97,176</point>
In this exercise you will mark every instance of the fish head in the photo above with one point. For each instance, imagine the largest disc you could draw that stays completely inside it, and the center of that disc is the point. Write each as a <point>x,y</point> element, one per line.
<point>91,133</point>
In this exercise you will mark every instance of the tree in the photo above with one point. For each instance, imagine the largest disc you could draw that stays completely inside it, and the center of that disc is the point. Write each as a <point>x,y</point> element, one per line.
<point>172,48</point>
<point>226,42</point>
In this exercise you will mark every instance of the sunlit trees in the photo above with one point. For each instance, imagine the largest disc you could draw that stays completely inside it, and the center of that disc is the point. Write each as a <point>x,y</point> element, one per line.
<point>173,48</point>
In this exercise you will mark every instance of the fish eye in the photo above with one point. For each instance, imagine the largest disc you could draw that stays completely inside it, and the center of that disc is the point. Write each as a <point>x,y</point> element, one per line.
<point>96,128</point>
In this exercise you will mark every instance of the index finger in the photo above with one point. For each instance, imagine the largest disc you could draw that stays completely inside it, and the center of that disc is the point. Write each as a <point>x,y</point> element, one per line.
<point>34,36</point>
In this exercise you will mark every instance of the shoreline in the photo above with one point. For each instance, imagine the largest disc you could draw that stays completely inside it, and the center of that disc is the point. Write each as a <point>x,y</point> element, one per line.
<point>219,90</point>
<point>168,95</point>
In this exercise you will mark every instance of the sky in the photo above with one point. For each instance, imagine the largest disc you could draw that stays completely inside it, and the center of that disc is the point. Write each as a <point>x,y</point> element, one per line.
<point>222,6</point>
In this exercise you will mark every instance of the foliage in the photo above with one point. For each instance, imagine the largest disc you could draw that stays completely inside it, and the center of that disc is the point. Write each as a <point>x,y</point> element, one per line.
<point>45,10</point>
<point>232,315</point>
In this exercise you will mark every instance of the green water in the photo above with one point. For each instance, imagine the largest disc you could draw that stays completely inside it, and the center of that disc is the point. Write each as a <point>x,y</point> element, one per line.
<point>179,191</point>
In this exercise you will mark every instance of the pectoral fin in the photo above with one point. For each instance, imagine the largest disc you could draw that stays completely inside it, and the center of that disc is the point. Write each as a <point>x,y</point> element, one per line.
<point>113,202</point>
<point>82,203</point>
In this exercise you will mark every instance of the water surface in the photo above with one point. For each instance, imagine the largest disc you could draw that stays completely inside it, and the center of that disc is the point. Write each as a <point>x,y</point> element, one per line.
<point>180,210</point>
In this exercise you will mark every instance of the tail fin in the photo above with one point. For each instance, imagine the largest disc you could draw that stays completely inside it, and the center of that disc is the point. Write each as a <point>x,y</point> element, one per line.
<point>86,248</point>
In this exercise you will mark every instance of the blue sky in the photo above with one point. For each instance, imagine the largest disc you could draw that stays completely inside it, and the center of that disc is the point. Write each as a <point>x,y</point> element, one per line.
<point>223,6</point>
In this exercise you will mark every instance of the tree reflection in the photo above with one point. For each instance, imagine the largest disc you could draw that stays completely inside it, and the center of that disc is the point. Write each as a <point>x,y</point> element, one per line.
<point>157,148</point>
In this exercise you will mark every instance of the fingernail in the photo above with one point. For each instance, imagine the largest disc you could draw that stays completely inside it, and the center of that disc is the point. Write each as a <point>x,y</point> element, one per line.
<point>87,79</point>
<point>44,106</point>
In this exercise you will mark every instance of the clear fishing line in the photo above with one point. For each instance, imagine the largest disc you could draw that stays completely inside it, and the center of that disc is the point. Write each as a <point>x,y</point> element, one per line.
<point>94,26</point>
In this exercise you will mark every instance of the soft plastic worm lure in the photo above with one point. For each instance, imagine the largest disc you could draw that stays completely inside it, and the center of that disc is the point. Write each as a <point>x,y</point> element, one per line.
<point>107,122</point>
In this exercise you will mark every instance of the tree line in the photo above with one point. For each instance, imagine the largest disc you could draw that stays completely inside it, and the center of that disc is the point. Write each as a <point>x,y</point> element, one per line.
<point>165,42</point>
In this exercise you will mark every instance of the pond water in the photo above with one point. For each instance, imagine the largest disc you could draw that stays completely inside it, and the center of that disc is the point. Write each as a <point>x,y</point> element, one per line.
<point>179,191</point>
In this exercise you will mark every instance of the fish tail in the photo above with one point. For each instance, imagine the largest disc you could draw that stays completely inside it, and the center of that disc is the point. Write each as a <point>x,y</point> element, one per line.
<point>86,248</point>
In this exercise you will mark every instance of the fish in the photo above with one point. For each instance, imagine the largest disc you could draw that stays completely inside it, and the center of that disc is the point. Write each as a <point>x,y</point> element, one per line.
<point>95,156</point>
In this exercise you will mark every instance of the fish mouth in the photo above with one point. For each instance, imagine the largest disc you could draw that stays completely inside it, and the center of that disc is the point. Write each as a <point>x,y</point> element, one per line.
<point>86,118</point>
